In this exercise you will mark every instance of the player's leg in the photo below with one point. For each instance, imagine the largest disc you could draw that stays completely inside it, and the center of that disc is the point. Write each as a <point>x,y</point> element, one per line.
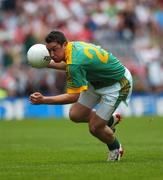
<point>105,112</point>
<point>81,111</point>
<point>98,126</point>
<point>79,114</point>
<point>111,98</point>
<point>115,119</point>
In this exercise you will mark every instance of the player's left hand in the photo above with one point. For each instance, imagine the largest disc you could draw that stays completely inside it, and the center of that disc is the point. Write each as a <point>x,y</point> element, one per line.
<point>36,98</point>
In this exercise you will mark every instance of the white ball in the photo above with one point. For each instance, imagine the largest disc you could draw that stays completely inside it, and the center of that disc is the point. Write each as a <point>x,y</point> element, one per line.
<point>38,56</point>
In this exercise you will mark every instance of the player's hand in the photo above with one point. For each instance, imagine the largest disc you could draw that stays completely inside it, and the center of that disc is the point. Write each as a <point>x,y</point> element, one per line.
<point>36,98</point>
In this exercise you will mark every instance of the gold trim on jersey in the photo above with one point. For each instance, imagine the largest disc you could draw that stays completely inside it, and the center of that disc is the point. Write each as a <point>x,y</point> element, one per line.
<point>68,53</point>
<point>76,90</point>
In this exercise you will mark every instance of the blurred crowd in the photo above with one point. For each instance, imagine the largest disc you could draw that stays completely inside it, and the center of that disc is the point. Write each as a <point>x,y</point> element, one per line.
<point>132,29</point>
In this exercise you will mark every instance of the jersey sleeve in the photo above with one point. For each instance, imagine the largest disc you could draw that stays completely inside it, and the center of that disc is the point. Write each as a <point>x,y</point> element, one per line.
<point>76,79</point>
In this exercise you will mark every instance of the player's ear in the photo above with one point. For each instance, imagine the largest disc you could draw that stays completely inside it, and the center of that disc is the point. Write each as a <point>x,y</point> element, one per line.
<point>64,45</point>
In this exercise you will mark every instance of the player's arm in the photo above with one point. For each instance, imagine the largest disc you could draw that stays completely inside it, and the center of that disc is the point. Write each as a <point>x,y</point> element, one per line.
<point>38,98</point>
<point>59,66</point>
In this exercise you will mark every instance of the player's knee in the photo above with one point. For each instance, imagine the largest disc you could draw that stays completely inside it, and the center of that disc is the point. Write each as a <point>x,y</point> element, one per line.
<point>74,116</point>
<point>79,115</point>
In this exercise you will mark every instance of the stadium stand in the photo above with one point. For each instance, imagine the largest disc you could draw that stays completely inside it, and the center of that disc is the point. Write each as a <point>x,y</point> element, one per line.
<point>133,30</point>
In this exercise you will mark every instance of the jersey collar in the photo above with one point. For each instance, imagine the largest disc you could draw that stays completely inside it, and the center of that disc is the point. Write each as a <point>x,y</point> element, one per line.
<point>68,53</point>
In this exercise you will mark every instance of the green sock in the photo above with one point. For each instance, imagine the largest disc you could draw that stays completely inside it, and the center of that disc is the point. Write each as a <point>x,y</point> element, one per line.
<point>114,145</point>
<point>111,121</point>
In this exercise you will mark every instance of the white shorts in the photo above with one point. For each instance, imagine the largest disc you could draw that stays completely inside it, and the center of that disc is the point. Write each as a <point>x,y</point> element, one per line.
<point>108,97</point>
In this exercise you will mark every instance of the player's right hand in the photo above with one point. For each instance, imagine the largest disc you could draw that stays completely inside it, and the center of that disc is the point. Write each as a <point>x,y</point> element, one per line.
<point>36,98</point>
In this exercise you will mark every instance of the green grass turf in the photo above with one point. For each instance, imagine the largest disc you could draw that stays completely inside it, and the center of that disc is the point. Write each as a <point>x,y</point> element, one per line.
<point>62,150</point>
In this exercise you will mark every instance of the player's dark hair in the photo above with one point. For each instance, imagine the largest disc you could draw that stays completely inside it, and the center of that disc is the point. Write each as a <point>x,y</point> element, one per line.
<point>56,36</point>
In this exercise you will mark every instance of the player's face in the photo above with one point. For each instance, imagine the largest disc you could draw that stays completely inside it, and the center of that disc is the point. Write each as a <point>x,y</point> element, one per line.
<point>56,51</point>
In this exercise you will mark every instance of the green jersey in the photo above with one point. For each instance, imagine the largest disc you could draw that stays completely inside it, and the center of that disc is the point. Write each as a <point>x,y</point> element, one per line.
<point>88,63</point>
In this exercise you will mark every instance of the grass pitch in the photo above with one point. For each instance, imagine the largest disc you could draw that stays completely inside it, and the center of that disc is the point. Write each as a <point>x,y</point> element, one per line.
<point>62,150</point>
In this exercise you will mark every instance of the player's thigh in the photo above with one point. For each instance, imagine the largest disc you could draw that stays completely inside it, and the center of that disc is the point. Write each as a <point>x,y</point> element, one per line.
<point>111,97</point>
<point>105,110</point>
<point>79,112</point>
<point>87,100</point>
